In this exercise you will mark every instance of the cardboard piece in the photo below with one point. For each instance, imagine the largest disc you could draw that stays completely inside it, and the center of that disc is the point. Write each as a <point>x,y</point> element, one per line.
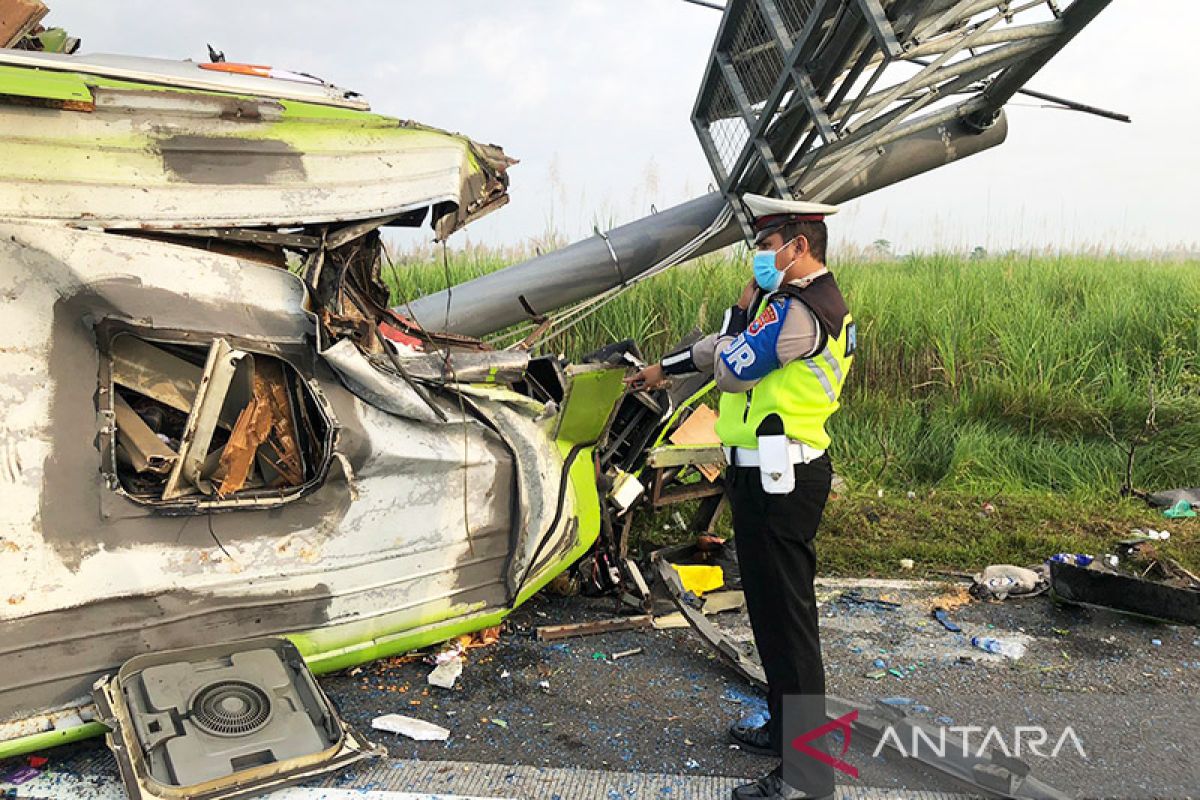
<point>700,428</point>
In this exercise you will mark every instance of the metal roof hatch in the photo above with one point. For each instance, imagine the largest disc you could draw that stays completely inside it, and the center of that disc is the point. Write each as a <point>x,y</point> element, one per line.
<point>223,721</point>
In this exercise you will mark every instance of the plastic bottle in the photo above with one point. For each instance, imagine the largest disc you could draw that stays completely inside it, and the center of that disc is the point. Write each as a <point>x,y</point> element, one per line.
<point>1012,650</point>
<point>1077,559</point>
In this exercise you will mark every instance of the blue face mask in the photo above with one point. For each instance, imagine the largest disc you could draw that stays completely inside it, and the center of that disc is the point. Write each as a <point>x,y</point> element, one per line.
<point>765,273</point>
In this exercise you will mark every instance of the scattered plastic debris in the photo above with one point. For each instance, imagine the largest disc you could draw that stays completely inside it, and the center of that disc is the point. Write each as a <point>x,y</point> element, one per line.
<point>907,564</point>
<point>625,653</point>
<point>875,674</point>
<point>20,775</point>
<point>897,701</point>
<point>899,673</point>
<point>499,723</point>
<point>944,618</point>
<point>1013,650</point>
<point>411,727</point>
<point>700,578</point>
<point>1156,642</point>
<point>1182,509</point>
<point>692,763</point>
<point>944,720</point>
<point>1078,559</point>
<point>879,663</point>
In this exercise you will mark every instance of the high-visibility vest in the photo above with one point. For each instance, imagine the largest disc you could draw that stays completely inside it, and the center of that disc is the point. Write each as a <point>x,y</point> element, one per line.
<point>804,393</point>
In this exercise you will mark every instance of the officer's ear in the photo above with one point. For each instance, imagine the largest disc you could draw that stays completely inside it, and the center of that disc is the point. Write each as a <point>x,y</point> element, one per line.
<point>801,245</point>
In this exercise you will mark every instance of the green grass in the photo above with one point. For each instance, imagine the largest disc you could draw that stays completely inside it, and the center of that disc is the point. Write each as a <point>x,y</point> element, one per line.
<point>985,376</point>
<point>1018,381</point>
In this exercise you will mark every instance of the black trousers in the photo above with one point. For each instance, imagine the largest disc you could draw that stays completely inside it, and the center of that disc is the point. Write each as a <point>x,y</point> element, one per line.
<point>774,536</point>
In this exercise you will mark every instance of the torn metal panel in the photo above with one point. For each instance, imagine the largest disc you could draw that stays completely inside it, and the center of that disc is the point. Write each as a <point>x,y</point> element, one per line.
<point>146,451</point>
<point>154,372</point>
<point>1124,593</point>
<point>277,163</point>
<point>992,772</point>
<point>223,362</point>
<point>499,366</point>
<point>384,390</point>
<point>184,74</point>
<point>410,528</point>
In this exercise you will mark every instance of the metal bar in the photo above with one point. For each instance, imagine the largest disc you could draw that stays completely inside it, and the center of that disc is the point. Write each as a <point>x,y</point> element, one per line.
<point>685,455</point>
<point>298,240</point>
<point>146,451</point>
<point>155,373</point>
<point>1036,30</point>
<point>984,64</point>
<point>752,123</point>
<point>548,633</point>
<point>1075,106</point>
<point>953,16</point>
<point>881,29</point>
<point>934,65</point>
<point>808,96</point>
<point>222,362</point>
<point>1074,19</point>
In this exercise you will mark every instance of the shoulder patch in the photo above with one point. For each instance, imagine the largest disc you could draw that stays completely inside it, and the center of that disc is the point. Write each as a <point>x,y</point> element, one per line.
<point>851,339</point>
<point>769,316</point>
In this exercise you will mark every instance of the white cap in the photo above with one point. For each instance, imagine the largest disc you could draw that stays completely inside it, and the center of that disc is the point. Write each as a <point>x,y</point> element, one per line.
<point>763,208</point>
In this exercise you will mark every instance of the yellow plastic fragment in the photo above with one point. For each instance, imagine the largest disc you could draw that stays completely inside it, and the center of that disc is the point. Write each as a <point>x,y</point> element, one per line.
<point>700,578</point>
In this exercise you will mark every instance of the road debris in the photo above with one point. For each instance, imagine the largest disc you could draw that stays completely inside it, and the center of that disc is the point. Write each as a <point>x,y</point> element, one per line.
<point>446,674</point>
<point>548,633</point>
<point>700,578</point>
<point>1000,581</point>
<point>941,615</point>
<point>988,644</point>
<point>1160,588</point>
<point>413,728</point>
<point>626,653</point>
<point>1182,509</point>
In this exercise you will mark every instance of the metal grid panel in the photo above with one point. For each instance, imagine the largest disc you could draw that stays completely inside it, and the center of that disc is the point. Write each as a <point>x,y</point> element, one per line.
<point>802,95</point>
<point>794,13</point>
<point>755,54</point>
<point>726,127</point>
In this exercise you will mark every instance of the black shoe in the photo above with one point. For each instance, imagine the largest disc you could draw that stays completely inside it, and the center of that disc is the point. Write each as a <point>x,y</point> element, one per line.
<point>772,787</point>
<point>753,739</point>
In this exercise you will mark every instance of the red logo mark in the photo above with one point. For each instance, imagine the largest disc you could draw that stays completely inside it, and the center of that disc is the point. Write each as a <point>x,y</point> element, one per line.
<point>843,724</point>
<point>767,317</point>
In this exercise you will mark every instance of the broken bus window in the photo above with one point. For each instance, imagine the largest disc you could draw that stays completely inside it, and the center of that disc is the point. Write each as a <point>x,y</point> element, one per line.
<point>199,426</point>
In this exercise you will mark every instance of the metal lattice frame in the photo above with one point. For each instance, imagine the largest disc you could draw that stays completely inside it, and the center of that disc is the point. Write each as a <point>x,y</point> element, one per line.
<point>802,96</point>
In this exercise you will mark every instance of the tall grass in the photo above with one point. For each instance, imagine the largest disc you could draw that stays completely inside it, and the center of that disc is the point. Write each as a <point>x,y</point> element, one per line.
<point>1010,374</point>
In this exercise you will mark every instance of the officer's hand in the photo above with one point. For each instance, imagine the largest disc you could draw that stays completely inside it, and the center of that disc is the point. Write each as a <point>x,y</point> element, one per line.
<point>652,377</point>
<point>744,302</point>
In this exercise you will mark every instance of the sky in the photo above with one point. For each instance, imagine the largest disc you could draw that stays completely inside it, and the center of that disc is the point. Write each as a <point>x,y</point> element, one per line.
<point>593,97</point>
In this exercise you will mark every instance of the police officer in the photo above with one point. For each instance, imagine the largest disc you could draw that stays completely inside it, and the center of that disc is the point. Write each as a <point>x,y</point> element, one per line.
<point>780,376</point>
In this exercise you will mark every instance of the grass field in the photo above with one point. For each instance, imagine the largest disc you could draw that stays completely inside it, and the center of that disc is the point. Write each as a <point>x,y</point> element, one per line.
<point>1020,378</point>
